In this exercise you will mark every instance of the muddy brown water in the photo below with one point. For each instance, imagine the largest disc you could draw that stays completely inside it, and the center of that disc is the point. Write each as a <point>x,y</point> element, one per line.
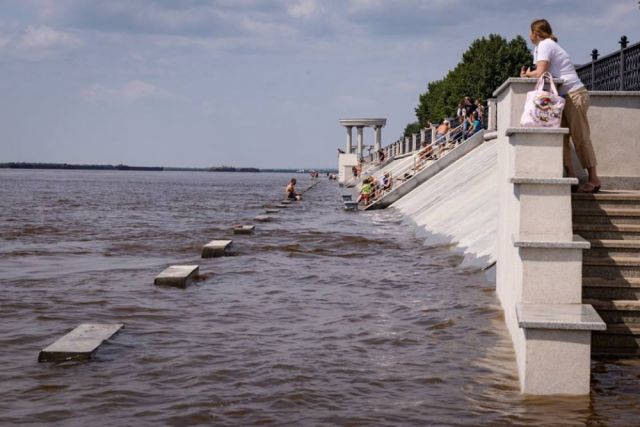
<point>322,317</point>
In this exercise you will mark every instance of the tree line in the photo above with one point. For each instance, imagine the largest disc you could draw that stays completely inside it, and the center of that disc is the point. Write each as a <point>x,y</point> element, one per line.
<point>485,65</point>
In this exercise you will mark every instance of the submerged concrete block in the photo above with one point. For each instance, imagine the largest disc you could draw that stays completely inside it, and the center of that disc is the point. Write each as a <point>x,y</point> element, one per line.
<point>347,197</point>
<point>216,248</point>
<point>281,206</point>
<point>286,202</point>
<point>244,229</point>
<point>177,275</point>
<point>351,206</point>
<point>262,218</point>
<point>272,211</point>
<point>79,344</point>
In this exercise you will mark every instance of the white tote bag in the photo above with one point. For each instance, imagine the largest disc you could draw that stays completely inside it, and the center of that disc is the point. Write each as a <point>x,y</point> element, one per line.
<point>542,108</point>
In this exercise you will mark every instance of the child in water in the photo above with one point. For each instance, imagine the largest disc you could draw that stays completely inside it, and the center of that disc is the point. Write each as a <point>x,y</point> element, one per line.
<point>291,190</point>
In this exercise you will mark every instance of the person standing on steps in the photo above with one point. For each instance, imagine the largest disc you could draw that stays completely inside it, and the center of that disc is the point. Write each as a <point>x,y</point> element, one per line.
<point>550,57</point>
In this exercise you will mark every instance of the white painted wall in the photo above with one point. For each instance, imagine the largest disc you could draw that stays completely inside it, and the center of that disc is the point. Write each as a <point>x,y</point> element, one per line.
<point>345,163</point>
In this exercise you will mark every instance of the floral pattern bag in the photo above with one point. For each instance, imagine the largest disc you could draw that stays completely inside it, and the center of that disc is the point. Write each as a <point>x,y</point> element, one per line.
<point>542,108</point>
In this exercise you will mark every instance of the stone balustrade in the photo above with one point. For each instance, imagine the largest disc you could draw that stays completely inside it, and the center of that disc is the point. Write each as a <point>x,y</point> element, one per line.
<point>539,260</point>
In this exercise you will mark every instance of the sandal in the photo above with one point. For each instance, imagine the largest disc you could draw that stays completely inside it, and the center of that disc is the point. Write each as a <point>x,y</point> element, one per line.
<point>589,188</point>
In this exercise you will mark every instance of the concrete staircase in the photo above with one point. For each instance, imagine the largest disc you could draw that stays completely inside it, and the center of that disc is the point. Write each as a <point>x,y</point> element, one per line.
<point>610,220</point>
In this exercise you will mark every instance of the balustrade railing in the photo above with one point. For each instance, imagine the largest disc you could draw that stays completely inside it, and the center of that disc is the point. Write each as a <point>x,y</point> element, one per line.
<point>617,71</point>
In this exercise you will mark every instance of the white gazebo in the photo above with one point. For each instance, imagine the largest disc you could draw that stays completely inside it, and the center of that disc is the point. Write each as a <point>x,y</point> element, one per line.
<point>376,123</point>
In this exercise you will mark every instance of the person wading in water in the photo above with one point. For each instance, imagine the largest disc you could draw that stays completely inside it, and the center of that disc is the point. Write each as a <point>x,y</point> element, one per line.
<point>291,190</point>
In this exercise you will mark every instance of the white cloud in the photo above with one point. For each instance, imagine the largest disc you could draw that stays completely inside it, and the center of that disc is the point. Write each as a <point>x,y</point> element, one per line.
<point>36,42</point>
<point>303,9</point>
<point>134,90</point>
<point>45,38</point>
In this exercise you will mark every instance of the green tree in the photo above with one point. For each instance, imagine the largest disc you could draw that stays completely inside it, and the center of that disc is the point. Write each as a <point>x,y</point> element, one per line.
<point>486,64</point>
<point>411,128</point>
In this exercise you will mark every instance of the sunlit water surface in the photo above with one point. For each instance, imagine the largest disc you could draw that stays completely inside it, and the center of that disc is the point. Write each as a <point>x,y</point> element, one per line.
<point>322,317</point>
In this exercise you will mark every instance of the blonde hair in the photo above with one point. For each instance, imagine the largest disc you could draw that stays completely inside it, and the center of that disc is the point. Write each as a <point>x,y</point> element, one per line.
<point>542,29</point>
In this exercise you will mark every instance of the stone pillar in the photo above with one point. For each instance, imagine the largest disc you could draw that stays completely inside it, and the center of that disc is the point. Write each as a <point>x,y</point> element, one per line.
<point>360,142</point>
<point>378,142</point>
<point>414,146</point>
<point>539,260</point>
<point>349,140</point>
<point>423,136</point>
<point>492,114</point>
<point>433,134</point>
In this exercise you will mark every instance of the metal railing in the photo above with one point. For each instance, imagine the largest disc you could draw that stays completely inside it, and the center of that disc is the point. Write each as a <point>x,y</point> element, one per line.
<point>617,71</point>
<point>421,158</point>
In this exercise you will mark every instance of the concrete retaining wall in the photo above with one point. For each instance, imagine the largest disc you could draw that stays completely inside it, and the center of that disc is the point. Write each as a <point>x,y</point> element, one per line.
<point>459,206</point>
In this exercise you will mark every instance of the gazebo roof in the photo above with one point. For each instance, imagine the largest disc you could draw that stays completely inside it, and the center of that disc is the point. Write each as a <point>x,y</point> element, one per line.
<point>363,122</point>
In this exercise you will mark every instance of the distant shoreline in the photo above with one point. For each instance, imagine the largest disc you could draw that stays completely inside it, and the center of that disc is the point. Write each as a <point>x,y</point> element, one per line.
<point>67,166</point>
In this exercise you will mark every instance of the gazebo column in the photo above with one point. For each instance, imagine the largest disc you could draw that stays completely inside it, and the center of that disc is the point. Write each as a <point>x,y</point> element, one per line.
<point>360,146</point>
<point>378,142</point>
<point>349,140</point>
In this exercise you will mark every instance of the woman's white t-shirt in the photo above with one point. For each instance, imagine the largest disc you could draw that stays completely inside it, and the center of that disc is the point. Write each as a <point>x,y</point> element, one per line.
<point>560,65</point>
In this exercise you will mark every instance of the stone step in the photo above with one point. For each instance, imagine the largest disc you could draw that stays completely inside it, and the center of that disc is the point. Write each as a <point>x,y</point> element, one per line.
<point>177,275</point>
<point>613,248</point>
<point>615,216</point>
<point>216,248</point>
<point>608,289</point>
<point>79,344</point>
<point>243,229</point>
<point>616,311</point>
<point>607,199</point>
<point>607,231</point>
<point>621,336</point>
<point>611,267</point>
<point>614,352</point>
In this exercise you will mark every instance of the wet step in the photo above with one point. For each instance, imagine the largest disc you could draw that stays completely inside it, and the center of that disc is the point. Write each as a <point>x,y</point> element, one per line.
<point>79,344</point>
<point>244,229</point>
<point>611,267</point>
<point>216,248</point>
<point>179,276</point>
<point>613,248</point>
<point>608,231</point>
<point>262,218</point>
<point>614,216</point>
<point>619,338</point>
<point>611,289</point>
<point>616,311</point>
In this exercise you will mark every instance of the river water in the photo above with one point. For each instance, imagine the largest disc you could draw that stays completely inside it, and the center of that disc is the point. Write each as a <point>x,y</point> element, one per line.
<point>322,317</point>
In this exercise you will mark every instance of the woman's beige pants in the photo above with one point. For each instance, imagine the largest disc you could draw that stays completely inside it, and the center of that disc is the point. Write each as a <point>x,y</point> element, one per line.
<point>575,118</point>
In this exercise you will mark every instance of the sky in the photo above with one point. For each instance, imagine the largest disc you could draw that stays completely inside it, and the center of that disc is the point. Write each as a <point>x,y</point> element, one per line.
<point>248,83</point>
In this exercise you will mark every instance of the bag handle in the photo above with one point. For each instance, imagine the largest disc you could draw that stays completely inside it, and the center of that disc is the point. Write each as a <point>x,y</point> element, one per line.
<point>552,85</point>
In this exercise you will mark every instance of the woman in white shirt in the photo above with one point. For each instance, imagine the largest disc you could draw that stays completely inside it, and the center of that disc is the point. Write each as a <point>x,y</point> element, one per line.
<point>550,57</point>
